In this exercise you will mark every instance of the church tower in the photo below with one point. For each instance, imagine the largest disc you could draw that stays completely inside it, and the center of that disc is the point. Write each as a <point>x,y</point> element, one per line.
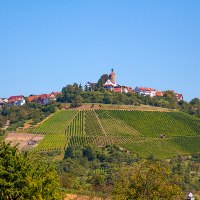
<point>112,77</point>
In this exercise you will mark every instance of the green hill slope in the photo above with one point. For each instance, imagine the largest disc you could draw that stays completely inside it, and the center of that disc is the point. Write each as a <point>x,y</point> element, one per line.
<point>162,134</point>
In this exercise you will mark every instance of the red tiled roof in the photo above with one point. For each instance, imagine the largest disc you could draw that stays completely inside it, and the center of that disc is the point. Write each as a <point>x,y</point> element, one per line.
<point>179,96</point>
<point>15,98</point>
<point>117,89</point>
<point>32,98</point>
<point>44,96</point>
<point>128,88</point>
<point>36,97</point>
<point>146,89</point>
<point>159,94</point>
<point>55,93</point>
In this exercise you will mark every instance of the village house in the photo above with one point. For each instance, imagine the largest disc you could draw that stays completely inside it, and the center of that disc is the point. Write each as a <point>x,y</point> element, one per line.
<point>43,98</point>
<point>146,91</point>
<point>111,84</point>
<point>1,103</point>
<point>54,95</point>
<point>90,86</point>
<point>122,89</point>
<point>159,94</point>
<point>16,100</point>
<point>179,97</point>
<point>5,100</point>
<point>153,92</point>
<point>127,89</point>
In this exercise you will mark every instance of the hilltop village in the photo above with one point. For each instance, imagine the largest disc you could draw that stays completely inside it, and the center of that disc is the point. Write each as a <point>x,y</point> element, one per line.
<point>109,84</point>
<point>112,85</point>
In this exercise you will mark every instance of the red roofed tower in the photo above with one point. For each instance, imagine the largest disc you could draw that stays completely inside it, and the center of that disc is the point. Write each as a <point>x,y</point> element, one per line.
<point>112,77</point>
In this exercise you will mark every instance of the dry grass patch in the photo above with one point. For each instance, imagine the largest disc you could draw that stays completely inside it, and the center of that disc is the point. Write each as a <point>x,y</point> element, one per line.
<point>22,140</point>
<point>123,107</point>
<point>81,197</point>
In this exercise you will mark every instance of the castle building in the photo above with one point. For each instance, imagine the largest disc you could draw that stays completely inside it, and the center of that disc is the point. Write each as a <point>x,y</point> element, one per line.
<point>113,77</point>
<point>111,82</point>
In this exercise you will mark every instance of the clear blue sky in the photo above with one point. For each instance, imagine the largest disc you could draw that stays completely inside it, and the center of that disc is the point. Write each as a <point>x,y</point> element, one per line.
<point>47,44</point>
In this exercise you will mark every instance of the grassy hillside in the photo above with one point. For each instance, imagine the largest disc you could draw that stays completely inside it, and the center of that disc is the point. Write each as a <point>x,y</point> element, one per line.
<point>162,134</point>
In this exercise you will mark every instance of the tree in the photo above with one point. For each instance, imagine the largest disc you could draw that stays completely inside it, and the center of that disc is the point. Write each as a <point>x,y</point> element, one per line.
<point>147,181</point>
<point>70,92</point>
<point>195,101</point>
<point>69,153</point>
<point>23,176</point>
<point>77,101</point>
<point>108,98</point>
<point>2,121</point>
<point>169,94</point>
<point>102,81</point>
<point>89,153</point>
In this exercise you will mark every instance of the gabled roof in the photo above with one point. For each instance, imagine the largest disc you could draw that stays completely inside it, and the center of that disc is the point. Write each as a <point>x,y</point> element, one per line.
<point>159,94</point>
<point>109,83</point>
<point>179,96</point>
<point>32,98</point>
<point>12,99</point>
<point>38,97</point>
<point>117,89</point>
<point>43,96</point>
<point>146,89</point>
<point>56,93</point>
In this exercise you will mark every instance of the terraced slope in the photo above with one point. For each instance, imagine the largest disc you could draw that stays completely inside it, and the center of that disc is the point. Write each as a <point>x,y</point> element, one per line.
<point>93,126</point>
<point>162,134</point>
<point>77,125</point>
<point>153,124</point>
<point>55,128</point>
<point>57,123</point>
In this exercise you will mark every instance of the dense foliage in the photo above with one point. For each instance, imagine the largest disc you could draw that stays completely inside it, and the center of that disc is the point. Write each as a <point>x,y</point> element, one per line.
<point>109,171</point>
<point>147,180</point>
<point>24,176</point>
<point>113,171</point>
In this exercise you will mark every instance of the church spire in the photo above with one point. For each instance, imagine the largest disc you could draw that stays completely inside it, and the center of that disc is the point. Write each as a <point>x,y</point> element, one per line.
<point>112,77</point>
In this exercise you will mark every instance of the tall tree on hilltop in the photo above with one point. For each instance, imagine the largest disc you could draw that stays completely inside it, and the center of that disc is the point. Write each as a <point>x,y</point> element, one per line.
<point>102,81</point>
<point>169,94</point>
<point>70,92</point>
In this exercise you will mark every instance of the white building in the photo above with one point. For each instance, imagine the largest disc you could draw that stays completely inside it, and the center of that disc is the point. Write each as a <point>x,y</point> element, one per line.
<point>146,91</point>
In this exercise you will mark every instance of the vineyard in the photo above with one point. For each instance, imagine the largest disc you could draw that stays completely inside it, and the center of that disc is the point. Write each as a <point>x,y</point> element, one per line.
<point>57,123</point>
<point>162,134</point>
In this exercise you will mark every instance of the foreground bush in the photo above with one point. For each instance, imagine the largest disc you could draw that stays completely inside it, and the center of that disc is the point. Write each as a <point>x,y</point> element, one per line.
<point>23,176</point>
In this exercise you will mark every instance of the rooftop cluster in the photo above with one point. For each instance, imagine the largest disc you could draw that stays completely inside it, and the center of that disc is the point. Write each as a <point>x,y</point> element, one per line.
<point>112,85</point>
